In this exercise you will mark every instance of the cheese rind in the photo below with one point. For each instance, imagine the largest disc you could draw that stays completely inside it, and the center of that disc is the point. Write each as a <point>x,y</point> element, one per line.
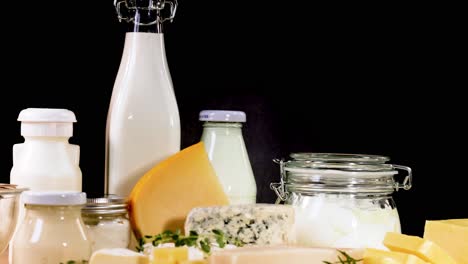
<point>451,235</point>
<point>253,224</point>
<point>278,255</point>
<point>163,197</point>
<point>377,256</point>
<point>423,248</point>
<point>118,256</point>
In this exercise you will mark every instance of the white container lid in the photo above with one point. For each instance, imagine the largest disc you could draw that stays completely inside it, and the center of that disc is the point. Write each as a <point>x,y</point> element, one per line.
<point>54,198</point>
<point>53,122</point>
<point>222,116</point>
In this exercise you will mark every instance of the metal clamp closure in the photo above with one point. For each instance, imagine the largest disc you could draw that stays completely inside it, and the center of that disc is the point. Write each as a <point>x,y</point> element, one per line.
<point>279,188</point>
<point>407,182</point>
<point>125,11</point>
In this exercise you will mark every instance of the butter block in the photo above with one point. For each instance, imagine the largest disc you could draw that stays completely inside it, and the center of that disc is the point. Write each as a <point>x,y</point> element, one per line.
<point>169,255</point>
<point>278,255</point>
<point>118,256</point>
<point>377,256</point>
<point>451,235</point>
<point>423,248</point>
<point>252,224</point>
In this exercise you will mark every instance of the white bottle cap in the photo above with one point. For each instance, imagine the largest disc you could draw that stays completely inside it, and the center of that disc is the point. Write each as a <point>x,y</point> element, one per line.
<point>222,116</point>
<point>54,198</point>
<point>47,122</point>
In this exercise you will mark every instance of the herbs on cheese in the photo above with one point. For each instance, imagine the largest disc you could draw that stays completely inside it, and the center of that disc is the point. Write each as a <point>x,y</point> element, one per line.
<point>203,242</point>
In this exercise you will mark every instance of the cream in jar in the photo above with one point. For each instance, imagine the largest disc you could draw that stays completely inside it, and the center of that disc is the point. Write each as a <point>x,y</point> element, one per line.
<point>341,200</point>
<point>107,223</point>
<point>52,231</point>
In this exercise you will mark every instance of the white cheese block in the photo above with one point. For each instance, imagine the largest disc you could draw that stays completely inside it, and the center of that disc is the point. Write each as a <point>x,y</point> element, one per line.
<point>118,256</point>
<point>253,224</point>
<point>280,255</point>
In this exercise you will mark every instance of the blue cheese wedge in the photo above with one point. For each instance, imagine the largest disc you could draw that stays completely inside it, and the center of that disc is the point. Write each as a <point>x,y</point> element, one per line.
<point>253,224</point>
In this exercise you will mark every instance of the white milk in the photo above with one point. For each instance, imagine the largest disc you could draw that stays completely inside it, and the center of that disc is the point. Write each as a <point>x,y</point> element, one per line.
<point>143,125</point>
<point>225,146</point>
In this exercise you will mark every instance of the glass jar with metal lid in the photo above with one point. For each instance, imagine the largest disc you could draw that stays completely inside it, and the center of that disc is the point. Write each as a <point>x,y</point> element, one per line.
<point>107,222</point>
<point>341,200</point>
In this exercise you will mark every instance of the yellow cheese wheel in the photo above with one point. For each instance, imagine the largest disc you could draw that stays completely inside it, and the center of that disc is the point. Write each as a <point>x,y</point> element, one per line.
<point>164,196</point>
<point>423,248</point>
<point>451,235</point>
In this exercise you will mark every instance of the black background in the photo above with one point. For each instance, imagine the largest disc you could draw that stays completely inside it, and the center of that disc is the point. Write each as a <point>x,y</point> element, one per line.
<point>354,79</point>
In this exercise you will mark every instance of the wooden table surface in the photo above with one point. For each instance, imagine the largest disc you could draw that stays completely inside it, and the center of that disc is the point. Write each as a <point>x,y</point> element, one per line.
<point>4,257</point>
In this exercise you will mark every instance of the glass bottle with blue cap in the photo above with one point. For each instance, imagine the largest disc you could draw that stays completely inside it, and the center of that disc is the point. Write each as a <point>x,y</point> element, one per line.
<point>225,146</point>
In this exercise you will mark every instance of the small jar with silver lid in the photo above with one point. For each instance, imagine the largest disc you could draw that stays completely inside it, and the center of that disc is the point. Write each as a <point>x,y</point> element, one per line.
<point>107,223</point>
<point>341,200</point>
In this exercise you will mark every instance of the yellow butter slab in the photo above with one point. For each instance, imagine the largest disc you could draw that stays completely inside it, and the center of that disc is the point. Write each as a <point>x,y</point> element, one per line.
<point>169,255</point>
<point>451,235</point>
<point>377,256</point>
<point>423,248</point>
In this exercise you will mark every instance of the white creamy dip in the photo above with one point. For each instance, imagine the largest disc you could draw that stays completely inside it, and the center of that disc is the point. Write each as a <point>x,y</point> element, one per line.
<point>333,220</point>
<point>109,234</point>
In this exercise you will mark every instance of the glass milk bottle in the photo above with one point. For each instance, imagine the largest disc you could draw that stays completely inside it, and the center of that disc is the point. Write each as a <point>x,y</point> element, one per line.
<point>225,146</point>
<point>143,125</point>
<point>53,231</point>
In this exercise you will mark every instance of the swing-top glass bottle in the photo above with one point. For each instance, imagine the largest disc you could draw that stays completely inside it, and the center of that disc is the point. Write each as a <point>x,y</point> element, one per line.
<point>143,125</point>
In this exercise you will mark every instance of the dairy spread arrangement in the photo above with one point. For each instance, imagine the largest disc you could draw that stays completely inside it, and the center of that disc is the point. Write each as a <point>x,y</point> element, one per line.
<point>197,205</point>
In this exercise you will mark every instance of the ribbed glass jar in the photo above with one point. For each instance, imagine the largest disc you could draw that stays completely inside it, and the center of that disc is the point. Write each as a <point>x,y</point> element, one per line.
<point>341,200</point>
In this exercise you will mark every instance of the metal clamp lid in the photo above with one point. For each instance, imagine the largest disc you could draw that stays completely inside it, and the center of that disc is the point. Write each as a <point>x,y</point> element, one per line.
<point>407,181</point>
<point>123,6</point>
<point>361,174</point>
<point>279,188</point>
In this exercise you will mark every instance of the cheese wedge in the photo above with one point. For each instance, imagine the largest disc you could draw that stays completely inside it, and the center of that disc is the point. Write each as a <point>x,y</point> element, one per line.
<point>451,235</point>
<point>163,197</point>
<point>377,256</point>
<point>278,255</point>
<point>423,248</point>
<point>118,256</point>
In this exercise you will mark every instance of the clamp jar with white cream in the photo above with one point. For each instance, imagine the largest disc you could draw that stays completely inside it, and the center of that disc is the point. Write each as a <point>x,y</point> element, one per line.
<point>341,200</point>
<point>52,230</point>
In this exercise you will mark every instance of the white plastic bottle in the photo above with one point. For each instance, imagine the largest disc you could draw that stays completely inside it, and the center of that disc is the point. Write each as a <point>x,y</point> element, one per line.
<point>143,125</point>
<point>225,146</point>
<point>46,161</point>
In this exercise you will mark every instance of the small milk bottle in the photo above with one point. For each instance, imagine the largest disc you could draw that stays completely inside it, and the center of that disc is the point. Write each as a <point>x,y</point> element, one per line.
<point>46,161</point>
<point>225,146</point>
<point>143,126</point>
